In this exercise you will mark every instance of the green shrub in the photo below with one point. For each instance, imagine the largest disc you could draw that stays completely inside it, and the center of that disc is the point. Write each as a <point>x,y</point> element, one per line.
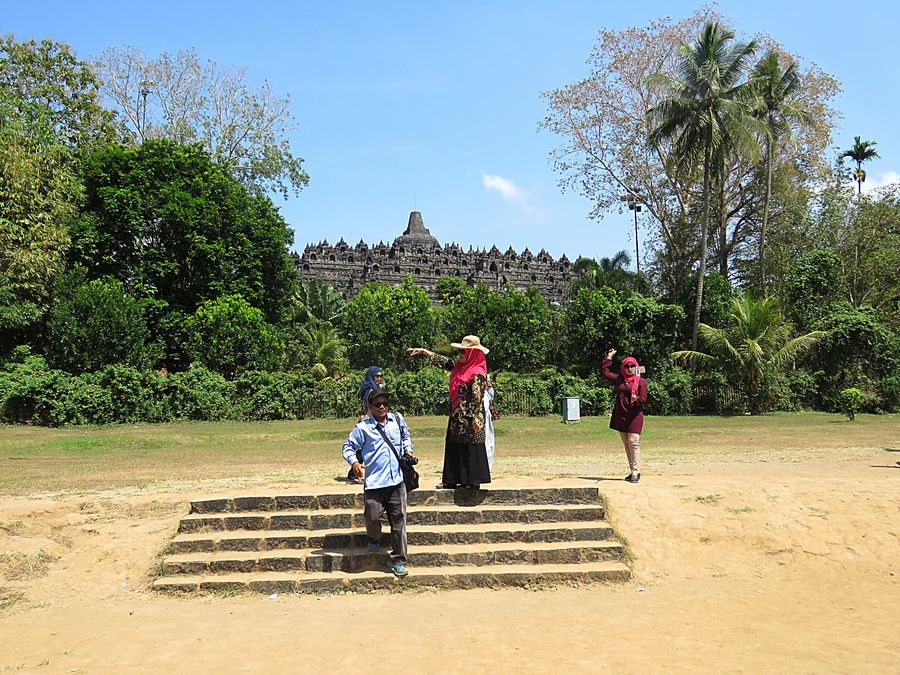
<point>330,398</point>
<point>31,392</point>
<point>791,391</point>
<point>260,395</point>
<point>135,396</point>
<point>670,392</point>
<point>199,394</point>
<point>888,390</point>
<point>594,394</point>
<point>421,392</point>
<point>851,401</point>
<point>522,394</point>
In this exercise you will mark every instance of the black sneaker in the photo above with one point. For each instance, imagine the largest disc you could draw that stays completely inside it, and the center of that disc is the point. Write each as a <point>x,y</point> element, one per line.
<point>633,477</point>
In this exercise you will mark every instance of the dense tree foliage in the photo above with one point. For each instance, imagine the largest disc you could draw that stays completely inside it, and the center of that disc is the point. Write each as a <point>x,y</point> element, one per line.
<point>515,326</point>
<point>94,324</point>
<point>382,321</point>
<point>43,82</point>
<point>631,323</point>
<point>230,336</point>
<point>167,217</point>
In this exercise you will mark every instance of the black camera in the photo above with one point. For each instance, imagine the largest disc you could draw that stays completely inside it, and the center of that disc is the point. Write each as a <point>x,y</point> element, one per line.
<point>409,460</point>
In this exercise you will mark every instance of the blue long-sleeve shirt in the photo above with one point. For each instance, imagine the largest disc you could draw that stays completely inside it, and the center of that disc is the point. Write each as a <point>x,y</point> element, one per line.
<point>382,467</point>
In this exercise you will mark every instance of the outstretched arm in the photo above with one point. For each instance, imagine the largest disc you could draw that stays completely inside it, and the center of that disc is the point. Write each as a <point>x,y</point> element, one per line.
<point>434,359</point>
<point>605,364</point>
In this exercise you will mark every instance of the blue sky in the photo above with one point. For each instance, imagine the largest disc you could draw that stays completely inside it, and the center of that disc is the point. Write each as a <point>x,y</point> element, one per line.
<point>435,106</point>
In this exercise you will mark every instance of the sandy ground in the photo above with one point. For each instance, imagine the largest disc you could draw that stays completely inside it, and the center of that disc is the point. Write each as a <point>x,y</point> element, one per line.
<point>746,567</point>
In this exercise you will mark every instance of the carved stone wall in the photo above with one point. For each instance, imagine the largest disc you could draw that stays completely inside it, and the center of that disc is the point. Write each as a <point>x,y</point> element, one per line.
<point>418,253</point>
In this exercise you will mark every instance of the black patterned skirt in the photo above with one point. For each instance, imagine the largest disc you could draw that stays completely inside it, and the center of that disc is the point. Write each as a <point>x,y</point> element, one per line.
<point>465,464</point>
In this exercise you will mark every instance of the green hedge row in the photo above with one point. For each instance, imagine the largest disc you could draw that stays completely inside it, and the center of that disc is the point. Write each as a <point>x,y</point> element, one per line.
<point>33,393</point>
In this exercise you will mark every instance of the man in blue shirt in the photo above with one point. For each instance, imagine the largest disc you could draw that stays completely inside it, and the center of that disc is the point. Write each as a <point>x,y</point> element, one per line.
<point>384,490</point>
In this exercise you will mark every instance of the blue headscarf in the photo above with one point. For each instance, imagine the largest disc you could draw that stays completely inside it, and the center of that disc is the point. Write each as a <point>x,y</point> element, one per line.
<point>368,383</point>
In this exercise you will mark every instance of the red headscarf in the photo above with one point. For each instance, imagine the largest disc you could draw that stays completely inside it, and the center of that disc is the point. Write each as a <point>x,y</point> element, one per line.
<point>633,378</point>
<point>471,363</point>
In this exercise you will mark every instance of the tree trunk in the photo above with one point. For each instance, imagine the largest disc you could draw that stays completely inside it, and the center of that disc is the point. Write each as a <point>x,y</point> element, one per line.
<point>704,233</point>
<point>765,222</point>
<point>723,227</point>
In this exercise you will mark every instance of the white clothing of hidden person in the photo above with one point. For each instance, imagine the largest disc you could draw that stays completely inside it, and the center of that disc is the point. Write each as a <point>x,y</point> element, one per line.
<point>489,427</point>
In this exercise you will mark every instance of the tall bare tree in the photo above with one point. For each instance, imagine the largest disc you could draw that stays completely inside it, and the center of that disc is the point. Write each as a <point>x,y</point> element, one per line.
<point>176,96</point>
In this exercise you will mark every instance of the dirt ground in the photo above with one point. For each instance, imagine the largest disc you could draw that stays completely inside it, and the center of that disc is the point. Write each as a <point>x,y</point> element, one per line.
<point>744,567</point>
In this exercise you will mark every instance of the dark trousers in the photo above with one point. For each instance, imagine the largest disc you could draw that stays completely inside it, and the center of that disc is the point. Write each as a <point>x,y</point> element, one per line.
<point>390,500</point>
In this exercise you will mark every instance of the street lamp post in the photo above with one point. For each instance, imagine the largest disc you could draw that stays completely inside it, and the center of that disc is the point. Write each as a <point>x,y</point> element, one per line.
<point>634,205</point>
<point>144,92</point>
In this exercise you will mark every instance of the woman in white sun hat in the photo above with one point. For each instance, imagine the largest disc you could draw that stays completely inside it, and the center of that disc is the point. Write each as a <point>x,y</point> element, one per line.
<point>465,455</point>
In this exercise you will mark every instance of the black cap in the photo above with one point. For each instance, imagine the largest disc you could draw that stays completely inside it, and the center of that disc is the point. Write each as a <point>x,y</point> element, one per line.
<point>375,393</point>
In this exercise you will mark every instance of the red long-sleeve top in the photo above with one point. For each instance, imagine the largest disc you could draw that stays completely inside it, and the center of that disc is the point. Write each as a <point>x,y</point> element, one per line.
<point>626,416</point>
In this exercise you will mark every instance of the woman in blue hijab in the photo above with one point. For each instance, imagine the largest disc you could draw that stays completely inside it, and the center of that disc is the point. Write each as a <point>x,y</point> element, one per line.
<point>374,379</point>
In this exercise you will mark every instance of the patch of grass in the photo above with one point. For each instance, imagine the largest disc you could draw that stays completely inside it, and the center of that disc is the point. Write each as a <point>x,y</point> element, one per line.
<point>226,591</point>
<point>20,566</point>
<point>740,509</point>
<point>110,511</point>
<point>818,513</point>
<point>712,499</point>
<point>10,597</point>
<point>92,459</point>
<point>11,525</point>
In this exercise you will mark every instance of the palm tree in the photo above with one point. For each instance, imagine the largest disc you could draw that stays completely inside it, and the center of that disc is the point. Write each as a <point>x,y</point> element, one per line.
<point>318,303</point>
<point>776,90</point>
<point>755,342</point>
<point>862,151</point>
<point>612,272</point>
<point>706,114</point>
<point>325,350</point>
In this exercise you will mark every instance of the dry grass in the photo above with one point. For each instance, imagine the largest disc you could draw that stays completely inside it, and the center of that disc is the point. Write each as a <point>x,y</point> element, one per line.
<point>9,597</point>
<point>23,566</point>
<point>191,455</point>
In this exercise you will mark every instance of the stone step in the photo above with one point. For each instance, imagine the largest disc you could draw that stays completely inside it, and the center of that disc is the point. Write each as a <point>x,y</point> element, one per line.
<point>358,559</point>
<point>416,515</point>
<point>440,577</point>
<point>417,535</point>
<point>353,500</point>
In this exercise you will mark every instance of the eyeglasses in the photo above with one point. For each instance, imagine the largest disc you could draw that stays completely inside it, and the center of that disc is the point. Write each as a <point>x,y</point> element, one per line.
<point>631,366</point>
<point>380,404</point>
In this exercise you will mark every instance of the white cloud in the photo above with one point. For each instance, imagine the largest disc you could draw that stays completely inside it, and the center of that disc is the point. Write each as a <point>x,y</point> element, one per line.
<point>507,189</point>
<point>886,178</point>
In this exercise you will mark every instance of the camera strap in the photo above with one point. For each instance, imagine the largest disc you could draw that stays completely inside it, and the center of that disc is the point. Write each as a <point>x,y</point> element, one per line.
<point>388,440</point>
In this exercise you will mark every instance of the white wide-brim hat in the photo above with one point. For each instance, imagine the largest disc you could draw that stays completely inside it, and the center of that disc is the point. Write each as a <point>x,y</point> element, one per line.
<point>470,342</point>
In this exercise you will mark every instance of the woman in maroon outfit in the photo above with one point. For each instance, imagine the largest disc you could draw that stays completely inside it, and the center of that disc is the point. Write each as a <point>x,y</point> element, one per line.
<point>628,409</point>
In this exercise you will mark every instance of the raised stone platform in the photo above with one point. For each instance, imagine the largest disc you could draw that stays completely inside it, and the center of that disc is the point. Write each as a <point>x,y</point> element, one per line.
<point>457,539</point>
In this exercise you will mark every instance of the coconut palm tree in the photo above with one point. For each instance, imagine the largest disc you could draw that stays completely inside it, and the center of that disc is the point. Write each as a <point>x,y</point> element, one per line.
<point>756,341</point>
<point>706,113</point>
<point>318,303</point>
<point>776,105</point>
<point>612,272</point>
<point>861,151</point>
<point>325,350</point>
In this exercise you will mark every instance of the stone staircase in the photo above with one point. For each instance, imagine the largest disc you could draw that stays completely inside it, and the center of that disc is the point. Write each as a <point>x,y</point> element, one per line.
<point>457,539</point>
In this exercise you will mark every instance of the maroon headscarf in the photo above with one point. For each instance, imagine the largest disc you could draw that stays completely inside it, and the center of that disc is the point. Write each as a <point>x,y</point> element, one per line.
<point>633,378</point>
<point>470,364</point>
